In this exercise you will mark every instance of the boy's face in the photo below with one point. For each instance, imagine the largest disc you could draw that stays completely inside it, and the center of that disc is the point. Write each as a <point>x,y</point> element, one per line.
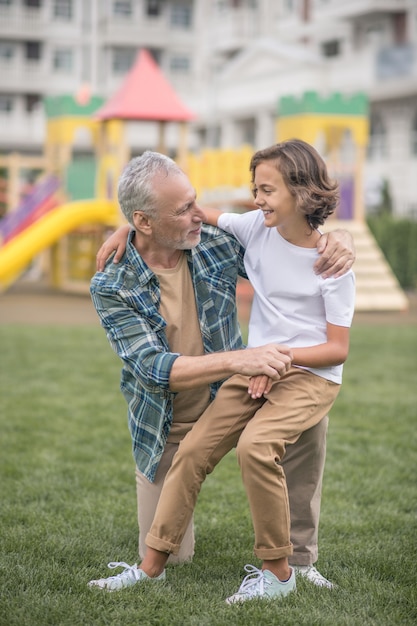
<point>272,196</point>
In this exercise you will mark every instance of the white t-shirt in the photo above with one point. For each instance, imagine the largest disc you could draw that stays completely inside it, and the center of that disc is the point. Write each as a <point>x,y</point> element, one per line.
<point>291,304</point>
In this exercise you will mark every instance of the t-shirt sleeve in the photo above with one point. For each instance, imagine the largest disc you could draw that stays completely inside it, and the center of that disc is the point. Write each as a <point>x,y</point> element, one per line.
<point>240,225</point>
<point>339,299</point>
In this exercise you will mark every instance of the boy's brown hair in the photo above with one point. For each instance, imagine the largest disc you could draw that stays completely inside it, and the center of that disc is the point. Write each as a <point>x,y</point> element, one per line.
<point>305,174</point>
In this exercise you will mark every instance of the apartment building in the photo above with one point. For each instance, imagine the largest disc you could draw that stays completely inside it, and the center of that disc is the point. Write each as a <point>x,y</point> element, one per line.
<point>230,60</point>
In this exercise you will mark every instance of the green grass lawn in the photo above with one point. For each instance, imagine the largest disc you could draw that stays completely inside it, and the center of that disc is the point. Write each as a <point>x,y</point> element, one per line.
<point>68,497</point>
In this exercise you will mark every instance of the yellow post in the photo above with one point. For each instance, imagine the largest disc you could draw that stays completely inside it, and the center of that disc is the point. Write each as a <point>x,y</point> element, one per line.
<point>182,145</point>
<point>161,138</point>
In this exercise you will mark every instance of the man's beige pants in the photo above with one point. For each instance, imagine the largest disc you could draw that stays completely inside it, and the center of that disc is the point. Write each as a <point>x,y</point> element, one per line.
<point>261,430</point>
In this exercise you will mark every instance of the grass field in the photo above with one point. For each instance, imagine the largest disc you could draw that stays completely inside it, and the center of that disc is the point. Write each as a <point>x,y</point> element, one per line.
<point>68,496</point>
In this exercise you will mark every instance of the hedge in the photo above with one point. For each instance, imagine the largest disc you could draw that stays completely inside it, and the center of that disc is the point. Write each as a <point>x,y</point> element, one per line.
<point>397,238</point>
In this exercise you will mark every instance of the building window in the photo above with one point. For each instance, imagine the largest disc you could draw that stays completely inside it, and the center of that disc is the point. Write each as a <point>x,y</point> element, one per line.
<point>6,51</point>
<point>6,104</point>
<point>33,4</point>
<point>63,60</point>
<point>374,33</point>
<point>399,25</point>
<point>414,136</point>
<point>246,130</point>
<point>6,3</point>
<point>63,9</point>
<point>377,147</point>
<point>31,102</point>
<point>179,65</point>
<point>213,136</point>
<point>122,8</point>
<point>181,16</point>
<point>156,54</point>
<point>154,8</point>
<point>331,48</point>
<point>288,7</point>
<point>222,5</point>
<point>33,50</point>
<point>123,59</point>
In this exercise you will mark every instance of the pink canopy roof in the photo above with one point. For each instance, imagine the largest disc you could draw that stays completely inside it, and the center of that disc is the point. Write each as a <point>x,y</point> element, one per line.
<point>145,94</point>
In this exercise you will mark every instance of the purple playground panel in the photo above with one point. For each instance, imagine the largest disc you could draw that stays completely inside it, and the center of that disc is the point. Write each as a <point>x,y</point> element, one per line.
<point>42,191</point>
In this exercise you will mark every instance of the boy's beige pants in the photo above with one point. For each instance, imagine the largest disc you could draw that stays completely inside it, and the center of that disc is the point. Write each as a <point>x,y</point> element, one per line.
<point>263,431</point>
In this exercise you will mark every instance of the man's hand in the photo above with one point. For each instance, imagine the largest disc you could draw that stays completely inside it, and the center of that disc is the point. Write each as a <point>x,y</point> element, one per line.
<point>115,243</point>
<point>271,361</point>
<point>189,372</point>
<point>337,253</point>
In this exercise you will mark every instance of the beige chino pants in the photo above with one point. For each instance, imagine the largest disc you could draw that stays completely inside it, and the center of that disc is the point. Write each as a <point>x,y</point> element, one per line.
<point>260,429</point>
<point>147,497</point>
<point>303,464</point>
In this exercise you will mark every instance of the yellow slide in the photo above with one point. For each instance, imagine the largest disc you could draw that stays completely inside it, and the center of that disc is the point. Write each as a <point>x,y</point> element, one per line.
<point>18,253</point>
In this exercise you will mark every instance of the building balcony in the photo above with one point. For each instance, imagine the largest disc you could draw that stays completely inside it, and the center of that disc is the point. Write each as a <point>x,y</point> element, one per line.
<point>22,131</point>
<point>334,9</point>
<point>28,23</point>
<point>383,73</point>
<point>20,76</point>
<point>143,32</point>
<point>18,22</point>
<point>233,29</point>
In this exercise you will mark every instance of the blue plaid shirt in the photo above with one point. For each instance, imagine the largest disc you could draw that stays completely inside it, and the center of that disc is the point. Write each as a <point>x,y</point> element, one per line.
<point>127,297</point>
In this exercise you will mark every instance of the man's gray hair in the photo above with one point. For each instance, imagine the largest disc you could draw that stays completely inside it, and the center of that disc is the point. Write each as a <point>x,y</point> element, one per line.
<point>136,190</point>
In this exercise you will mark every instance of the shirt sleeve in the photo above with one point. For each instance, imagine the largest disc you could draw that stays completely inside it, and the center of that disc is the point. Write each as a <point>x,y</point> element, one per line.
<point>140,344</point>
<point>339,299</point>
<point>240,225</point>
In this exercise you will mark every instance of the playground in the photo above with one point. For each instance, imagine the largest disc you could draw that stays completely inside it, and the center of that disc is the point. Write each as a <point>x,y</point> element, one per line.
<point>58,207</point>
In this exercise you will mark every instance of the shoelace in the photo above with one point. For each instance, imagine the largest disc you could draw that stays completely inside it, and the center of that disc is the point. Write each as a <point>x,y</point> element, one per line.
<point>314,576</point>
<point>313,573</point>
<point>253,581</point>
<point>128,569</point>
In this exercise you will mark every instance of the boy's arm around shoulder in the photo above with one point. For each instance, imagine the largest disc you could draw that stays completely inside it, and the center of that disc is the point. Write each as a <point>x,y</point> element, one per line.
<point>115,243</point>
<point>337,253</point>
<point>211,216</point>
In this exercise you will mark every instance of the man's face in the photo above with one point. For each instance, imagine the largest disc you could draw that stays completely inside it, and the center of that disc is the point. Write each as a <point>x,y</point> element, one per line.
<point>179,220</point>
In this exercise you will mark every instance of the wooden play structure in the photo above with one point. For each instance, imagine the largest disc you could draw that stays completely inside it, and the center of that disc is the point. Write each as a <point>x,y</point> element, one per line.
<point>339,127</point>
<point>145,95</point>
<point>14,163</point>
<point>70,234</point>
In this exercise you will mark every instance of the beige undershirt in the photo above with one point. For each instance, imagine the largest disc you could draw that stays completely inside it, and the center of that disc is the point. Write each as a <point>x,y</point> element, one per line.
<point>183,332</point>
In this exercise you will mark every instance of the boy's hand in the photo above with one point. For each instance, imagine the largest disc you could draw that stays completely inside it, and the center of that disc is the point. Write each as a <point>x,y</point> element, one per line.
<point>259,385</point>
<point>115,243</point>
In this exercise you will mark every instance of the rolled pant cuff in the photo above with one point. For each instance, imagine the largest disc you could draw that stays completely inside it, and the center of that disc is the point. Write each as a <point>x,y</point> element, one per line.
<point>296,559</point>
<point>270,554</point>
<point>161,545</point>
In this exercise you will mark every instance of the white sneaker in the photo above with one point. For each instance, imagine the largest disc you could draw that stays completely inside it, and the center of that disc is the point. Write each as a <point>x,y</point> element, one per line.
<point>262,583</point>
<point>313,575</point>
<point>131,575</point>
